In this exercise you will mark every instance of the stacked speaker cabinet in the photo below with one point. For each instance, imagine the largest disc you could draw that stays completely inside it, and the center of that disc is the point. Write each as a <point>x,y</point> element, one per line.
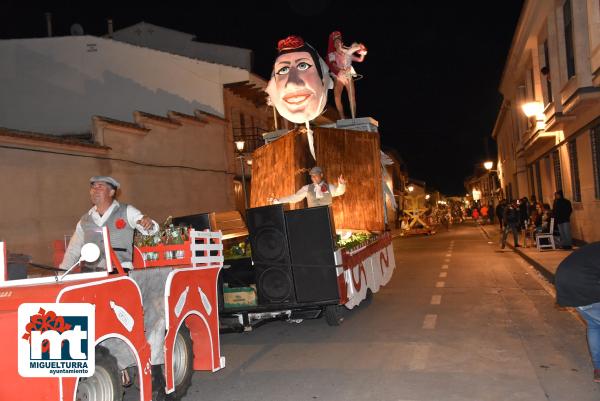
<point>311,235</point>
<point>272,265</point>
<point>293,254</point>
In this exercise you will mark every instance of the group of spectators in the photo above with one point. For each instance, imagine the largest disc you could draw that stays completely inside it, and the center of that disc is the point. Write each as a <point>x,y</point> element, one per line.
<point>483,214</point>
<point>531,215</point>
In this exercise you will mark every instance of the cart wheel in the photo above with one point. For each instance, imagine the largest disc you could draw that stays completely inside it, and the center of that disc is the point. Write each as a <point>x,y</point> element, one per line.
<point>183,367</point>
<point>105,384</point>
<point>334,315</point>
<point>368,299</point>
<point>183,362</point>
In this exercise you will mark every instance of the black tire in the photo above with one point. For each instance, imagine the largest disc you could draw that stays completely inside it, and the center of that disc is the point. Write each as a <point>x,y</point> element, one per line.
<point>105,384</point>
<point>368,299</point>
<point>183,364</point>
<point>334,315</point>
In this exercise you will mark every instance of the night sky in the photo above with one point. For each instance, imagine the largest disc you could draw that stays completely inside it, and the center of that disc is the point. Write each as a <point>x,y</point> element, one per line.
<point>431,76</point>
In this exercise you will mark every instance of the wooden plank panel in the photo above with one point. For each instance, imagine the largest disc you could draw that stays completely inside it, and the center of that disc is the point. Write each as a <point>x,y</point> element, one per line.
<point>279,168</point>
<point>355,155</point>
<point>225,216</point>
<point>231,225</point>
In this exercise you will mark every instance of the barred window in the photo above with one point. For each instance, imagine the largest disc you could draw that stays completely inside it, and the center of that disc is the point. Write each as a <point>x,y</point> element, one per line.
<point>557,172</point>
<point>575,186</point>
<point>595,134</point>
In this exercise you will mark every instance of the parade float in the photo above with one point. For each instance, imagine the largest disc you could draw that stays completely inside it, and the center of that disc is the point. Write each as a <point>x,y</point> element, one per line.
<point>309,262</point>
<point>154,324</point>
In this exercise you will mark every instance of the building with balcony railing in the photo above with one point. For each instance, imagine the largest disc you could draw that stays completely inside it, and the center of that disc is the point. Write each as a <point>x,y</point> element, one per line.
<point>548,127</point>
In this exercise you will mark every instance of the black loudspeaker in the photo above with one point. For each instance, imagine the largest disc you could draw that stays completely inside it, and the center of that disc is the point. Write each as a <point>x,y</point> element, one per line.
<point>268,238</point>
<point>199,222</point>
<point>311,234</point>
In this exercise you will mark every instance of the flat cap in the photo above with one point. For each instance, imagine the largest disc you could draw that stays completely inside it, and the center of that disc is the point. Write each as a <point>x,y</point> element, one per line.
<point>316,170</point>
<point>103,178</point>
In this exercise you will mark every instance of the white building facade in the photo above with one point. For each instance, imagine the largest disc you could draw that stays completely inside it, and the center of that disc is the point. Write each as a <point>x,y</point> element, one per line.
<point>552,73</point>
<point>55,85</point>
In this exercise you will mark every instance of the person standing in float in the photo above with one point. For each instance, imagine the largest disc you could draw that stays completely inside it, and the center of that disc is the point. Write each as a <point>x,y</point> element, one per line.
<point>318,193</point>
<point>121,220</point>
<point>339,60</point>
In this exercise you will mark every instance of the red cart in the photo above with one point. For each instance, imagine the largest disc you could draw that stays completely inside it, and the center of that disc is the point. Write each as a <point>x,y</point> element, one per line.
<point>153,326</point>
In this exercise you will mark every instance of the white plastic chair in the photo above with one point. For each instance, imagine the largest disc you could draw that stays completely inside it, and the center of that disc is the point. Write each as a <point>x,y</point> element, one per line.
<point>548,236</point>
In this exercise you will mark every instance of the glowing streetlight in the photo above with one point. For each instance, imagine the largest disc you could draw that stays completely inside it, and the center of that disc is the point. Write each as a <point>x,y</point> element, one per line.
<point>488,165</point>
<point>411,188</point>
<point>427,197</point>
<point>240,145</point>
<point>533,109</point>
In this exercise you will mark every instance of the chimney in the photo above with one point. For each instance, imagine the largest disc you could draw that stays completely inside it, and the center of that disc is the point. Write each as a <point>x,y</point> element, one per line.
<point>49,24</point>
<point>110,27</point>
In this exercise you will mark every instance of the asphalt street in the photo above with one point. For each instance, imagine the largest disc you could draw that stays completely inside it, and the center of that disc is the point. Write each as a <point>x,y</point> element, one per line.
<point>460,320</point>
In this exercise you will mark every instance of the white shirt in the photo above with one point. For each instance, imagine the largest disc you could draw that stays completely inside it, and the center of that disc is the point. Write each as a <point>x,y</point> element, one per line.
<point>133,216</point>
<point>336,190</point>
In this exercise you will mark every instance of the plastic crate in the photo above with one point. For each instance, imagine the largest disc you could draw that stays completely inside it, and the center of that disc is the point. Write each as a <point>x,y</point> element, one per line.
<point>140,261</point>
<point>204,248</point>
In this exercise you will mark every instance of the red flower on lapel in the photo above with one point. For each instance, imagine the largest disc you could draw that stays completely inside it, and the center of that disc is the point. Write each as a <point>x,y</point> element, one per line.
<point>120,224</point>
<point>323,187</point>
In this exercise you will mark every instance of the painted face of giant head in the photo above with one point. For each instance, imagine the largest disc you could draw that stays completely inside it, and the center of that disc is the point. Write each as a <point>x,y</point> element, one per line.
<point>299,83</point>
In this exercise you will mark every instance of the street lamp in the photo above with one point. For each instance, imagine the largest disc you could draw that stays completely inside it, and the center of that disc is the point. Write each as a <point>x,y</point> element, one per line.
<point>411,188</point>
<point>488,165</point>
<point>531,109</point>
<point>535,109</point>
<point>239,145</point>
<point>427,197</point>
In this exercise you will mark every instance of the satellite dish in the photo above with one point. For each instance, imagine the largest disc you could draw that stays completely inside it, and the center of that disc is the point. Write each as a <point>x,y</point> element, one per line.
<point>76,30</point>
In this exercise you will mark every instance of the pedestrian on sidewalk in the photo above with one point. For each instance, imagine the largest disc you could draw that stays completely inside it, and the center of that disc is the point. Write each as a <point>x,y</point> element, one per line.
<point>524,212</point>
<point>577,284</point>
<point>546,216</point>
<point>562,213</point>
<point>484,214</point>
<point>475,214</point>
<point>500,212</point>
<point>512,222</point>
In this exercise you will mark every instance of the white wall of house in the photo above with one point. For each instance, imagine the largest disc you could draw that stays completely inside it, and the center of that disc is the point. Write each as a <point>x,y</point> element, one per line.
<point>172,168</point>
<point>55,85</point>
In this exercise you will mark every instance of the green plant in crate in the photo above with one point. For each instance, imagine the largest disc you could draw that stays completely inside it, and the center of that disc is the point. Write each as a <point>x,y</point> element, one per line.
<point>240,250</point>
<point>356,240</point>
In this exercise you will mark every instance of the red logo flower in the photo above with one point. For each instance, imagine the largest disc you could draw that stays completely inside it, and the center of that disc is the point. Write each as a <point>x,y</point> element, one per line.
<point>120,224</point>
<point>324,188</point>
<point>44,321</point>
<point>290,43</point>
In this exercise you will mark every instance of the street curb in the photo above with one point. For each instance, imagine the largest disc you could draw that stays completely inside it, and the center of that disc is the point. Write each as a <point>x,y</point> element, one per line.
<point>548,275</point>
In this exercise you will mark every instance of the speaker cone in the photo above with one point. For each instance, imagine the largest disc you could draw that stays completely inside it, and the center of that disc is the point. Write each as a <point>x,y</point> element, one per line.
<point>275,284</point>
<point>270,244</point>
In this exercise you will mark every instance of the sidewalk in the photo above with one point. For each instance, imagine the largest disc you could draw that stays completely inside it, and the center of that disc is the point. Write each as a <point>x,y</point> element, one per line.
<point>546,262</point>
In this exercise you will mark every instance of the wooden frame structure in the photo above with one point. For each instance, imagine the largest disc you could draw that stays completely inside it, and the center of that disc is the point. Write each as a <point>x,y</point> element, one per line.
<point>280,168</point>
